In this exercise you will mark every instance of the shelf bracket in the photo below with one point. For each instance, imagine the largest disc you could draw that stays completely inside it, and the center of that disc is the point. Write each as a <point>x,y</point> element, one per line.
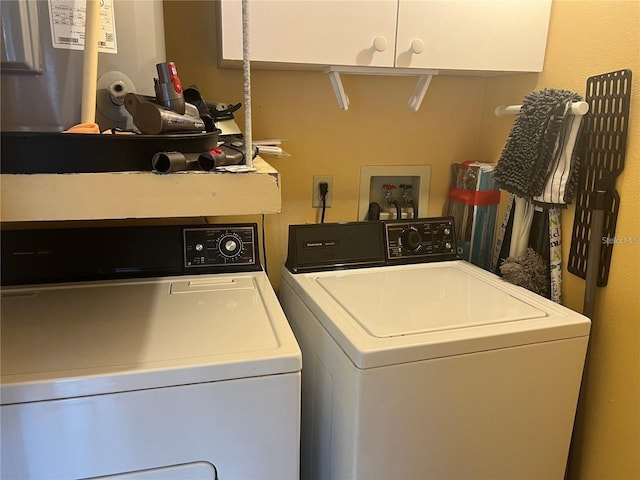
<point>338,89</point>
<point>418,94</point>
<point>424,79</point>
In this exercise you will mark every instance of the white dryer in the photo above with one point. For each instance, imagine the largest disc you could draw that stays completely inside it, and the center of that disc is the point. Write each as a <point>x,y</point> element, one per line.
<point>147,352</point>
<point>425,370</point>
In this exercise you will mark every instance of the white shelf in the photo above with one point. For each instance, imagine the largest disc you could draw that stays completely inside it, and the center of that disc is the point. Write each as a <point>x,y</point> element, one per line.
<point>94,196</point>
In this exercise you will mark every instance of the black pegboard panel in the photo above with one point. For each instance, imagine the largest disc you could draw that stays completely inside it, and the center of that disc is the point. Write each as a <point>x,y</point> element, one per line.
<point>605,143</point>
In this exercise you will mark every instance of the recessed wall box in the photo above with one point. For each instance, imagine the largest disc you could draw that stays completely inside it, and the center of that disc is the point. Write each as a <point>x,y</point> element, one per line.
<point>412,178</point>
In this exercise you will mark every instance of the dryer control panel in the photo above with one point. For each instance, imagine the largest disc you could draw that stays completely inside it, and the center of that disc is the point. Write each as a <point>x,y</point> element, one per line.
<point>420,240</point>
<point>220,246</point>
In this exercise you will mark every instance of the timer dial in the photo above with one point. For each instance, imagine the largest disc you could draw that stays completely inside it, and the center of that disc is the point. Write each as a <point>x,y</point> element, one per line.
<point>230,245</point>
<point>411,239</point>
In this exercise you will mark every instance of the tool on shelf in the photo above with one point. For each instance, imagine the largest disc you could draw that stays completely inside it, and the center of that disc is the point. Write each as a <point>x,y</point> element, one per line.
<point>154,119</point>
<point>224,155</point>
<point>168,88</point>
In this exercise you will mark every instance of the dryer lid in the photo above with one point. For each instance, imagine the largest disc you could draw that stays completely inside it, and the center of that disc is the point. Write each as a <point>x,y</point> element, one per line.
<point>68,340</point>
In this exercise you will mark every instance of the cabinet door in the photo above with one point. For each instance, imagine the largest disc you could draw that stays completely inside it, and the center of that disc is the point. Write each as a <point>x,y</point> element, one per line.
<point>319,32</point>
<point>480,35</point>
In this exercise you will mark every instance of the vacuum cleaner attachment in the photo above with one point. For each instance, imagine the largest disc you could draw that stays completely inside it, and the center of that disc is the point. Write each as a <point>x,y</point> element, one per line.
<point>154,119</point>
<point>167,162</point>
<point>169,88</point>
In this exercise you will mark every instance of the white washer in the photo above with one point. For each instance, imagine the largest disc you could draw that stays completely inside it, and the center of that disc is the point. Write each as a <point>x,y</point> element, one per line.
<point>183,376</point>
<point>425,370</point>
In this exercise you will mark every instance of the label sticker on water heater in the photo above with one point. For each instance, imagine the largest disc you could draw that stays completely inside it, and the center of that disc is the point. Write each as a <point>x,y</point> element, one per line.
<point>67,21</point>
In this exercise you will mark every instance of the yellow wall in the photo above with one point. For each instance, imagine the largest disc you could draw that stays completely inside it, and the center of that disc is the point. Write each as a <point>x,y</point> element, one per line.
<point>300,107</point>
<point>589,38</point>
<point>455,123</point>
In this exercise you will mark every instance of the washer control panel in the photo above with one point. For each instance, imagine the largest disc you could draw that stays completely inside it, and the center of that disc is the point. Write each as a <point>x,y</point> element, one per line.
<point>428,239</point>
<point>220,246</point>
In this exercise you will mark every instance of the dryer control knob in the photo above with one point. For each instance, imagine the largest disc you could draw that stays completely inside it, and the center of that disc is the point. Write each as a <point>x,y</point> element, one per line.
<point>230,245</point>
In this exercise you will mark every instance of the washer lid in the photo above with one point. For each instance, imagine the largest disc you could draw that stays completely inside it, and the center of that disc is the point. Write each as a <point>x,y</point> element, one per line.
<point>103,337</point>
<point>394,302</point>
<point>389,315</point>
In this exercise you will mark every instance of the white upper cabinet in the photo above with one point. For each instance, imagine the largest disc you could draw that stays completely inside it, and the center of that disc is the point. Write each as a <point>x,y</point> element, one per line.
<point>455,35</point>
<point>481,35</point>
<point>313,32</point>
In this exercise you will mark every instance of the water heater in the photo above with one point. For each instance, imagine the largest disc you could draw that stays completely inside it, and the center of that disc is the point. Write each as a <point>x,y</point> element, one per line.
<point>42,56</point>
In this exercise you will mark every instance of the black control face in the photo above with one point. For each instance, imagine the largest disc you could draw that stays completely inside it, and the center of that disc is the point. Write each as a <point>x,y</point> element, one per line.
<point>219,246</point>
<point>420,239</point>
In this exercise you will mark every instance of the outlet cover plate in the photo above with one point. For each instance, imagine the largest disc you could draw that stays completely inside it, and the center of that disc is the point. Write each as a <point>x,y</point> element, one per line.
<point>316,199</point>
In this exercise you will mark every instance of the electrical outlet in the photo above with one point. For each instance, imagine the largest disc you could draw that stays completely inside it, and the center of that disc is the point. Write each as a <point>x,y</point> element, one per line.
<point>316,200</point>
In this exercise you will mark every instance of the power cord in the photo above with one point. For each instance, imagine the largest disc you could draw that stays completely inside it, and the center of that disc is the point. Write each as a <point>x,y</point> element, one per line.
<point>264,247</point>
<point>324,190</point>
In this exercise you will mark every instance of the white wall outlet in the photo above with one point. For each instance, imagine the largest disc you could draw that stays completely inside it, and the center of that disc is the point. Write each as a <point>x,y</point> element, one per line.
<point>316,200</point>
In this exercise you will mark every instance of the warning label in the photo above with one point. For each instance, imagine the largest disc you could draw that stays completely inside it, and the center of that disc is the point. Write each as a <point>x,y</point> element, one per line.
<point>67,19</point>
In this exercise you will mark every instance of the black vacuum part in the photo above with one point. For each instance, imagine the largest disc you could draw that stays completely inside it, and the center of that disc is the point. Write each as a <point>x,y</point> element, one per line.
<point>605,143</point>
<point>55,152</point>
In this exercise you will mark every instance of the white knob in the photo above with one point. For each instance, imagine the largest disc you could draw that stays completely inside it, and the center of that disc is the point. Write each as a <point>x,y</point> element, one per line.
<point>417,46</point>
<point>380,44</point>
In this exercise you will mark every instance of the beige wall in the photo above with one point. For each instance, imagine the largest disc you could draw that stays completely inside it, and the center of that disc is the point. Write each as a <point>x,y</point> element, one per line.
<point>455,123</point>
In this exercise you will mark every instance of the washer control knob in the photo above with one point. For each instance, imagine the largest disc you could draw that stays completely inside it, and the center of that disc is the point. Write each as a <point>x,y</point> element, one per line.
<point>411,239</point>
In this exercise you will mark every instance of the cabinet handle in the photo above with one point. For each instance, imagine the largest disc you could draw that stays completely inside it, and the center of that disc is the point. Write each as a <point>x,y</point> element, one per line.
<point>417,46</point>
<point>380,44</point>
